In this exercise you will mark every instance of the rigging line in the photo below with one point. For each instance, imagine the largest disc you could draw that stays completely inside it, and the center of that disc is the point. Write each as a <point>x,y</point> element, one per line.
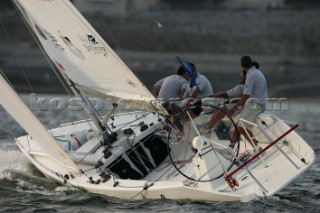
<point>146,186</point>
<point>154,181</point>
<point>14,53</point>
<point>5,77</point>
<point>160,26</point>
<point>165,172</point>
<point>41,49</point>
<point>50,62</point>
<point>193,179</point>
<point>53,68</point>
<point>116,42</point>
<point>84,102</point>
<point>93,108</point>
<point>83,172</point>
<point>138,118</point>
<point>105,25</point>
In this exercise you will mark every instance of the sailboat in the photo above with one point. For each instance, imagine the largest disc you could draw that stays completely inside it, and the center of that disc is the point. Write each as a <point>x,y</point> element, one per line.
<point>141,154</point>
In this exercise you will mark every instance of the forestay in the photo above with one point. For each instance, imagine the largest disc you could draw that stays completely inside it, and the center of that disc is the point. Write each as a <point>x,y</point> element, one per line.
<point>82,55</point>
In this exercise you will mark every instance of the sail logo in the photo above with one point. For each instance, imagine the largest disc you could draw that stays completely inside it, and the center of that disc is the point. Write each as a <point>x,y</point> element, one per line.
<point>40,31</point>
<point>92,40</point>
<point>73,49</point>
<point>48,36</point>
<point>92,45</point>
<point>61,67</point>
<point>131,83</point>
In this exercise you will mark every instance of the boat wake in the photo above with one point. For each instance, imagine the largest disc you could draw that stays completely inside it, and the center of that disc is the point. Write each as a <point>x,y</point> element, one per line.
<point>10,159</point>
<point>280,202</point>
<point>19,175</point>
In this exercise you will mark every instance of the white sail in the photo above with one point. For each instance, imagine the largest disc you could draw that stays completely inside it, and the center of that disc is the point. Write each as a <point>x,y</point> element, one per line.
<point>12,103</point>
<point>81,54</point>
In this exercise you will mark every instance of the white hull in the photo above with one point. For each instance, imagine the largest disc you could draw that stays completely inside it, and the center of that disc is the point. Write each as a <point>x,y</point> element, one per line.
<point>143,160</point>
<point>273,172</point>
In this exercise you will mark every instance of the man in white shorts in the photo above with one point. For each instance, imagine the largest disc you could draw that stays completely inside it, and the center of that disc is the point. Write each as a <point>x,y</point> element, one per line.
<point>233,95</point>
<point>253,100</point>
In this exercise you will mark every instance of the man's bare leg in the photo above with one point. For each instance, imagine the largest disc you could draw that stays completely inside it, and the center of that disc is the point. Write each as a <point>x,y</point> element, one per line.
<point>217,116</point>
<point>236,136</point>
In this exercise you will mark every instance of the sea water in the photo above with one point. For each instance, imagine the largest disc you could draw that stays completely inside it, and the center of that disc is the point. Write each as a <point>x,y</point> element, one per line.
<point>24,189</point>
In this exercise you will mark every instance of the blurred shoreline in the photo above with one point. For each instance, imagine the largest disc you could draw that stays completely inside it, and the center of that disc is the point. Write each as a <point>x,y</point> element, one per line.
<point>292,77</point>
<point>284,41</point>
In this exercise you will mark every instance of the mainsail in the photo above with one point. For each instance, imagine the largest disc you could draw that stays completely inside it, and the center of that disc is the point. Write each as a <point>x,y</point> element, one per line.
<point>81,55</point>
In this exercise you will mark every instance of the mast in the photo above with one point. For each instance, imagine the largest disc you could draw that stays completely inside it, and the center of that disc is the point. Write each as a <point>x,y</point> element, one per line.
<point>104,130</point>
<point>87,63</point>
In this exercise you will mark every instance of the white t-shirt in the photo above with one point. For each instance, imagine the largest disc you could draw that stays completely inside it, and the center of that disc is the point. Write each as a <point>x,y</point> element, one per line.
<point>235,91</point>
<point>204,86</point>
<point>159,83</point>
<point>256,86</point>
<point>171,88</point>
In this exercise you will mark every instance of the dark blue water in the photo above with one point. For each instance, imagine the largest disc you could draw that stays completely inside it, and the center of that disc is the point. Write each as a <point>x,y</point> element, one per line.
<point>24,189</point>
